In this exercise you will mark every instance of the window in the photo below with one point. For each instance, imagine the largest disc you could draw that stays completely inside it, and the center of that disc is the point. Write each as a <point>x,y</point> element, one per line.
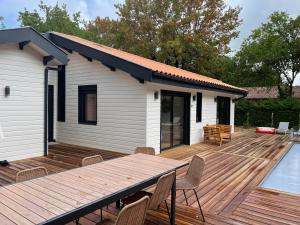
<point>199,108</point>
<point>87,110</point>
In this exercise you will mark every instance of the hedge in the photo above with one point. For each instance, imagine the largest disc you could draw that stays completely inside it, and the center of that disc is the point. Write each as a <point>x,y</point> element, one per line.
<point>267,112</point>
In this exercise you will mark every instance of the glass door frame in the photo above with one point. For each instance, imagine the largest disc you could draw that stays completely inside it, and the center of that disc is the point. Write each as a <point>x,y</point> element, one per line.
<point>187,112</point>
<point>225,112</point>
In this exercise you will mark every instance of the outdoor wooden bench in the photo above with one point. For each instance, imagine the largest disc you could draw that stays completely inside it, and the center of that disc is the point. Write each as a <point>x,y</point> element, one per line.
<point>217,133</point>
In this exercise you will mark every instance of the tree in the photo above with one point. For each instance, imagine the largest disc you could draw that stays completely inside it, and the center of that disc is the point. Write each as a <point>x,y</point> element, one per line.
<point>189,34</point>
<point>103,29</point>
<point>2,22</point>
<point>272,51</point>
<point>237,71</point>
<point>54,18</point>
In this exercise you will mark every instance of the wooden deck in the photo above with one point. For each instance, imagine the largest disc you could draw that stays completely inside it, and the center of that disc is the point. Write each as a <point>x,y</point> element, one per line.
<point>60,158</point>
<point>229,191</point>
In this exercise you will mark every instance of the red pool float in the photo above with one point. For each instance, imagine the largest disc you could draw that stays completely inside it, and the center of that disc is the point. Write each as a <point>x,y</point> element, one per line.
<point>265,130</point>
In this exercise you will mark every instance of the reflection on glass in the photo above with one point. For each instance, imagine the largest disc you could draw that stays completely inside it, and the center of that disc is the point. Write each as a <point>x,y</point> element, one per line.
<point>178,118</point>
<point>166,122</point>
<point>172,121</point>
<point>91,107</point>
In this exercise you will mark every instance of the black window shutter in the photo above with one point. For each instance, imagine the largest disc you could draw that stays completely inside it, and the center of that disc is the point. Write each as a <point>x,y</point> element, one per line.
<point>199,108</point>
<point>61,95</point>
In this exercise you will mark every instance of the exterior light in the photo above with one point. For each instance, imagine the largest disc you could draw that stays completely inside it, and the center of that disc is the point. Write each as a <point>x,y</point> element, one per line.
<point>156,95</point>
<point>7,91</point>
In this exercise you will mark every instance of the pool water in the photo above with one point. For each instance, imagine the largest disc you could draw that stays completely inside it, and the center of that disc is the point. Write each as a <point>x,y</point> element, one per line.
<point>285,176</point>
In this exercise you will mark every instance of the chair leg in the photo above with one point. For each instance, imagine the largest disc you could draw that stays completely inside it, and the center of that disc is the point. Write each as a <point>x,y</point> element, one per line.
<point>101,214</point>
<point>168,210</point>
<point>118,204</point>
<point>77,221</point>
<point>185,198</point>
<point>199,204</point>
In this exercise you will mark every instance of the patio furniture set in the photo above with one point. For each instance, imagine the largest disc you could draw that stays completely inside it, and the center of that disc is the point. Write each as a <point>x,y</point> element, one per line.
<point>217,133</point>
<point>99,183</point>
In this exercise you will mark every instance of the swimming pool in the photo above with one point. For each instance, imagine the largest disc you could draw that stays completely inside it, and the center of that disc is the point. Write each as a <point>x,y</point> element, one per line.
<point>285,176</point>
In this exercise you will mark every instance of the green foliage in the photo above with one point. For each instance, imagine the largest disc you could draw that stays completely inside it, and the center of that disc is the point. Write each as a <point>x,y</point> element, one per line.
<point>269,104</point>
<point>54,18</point>
<point>191,34</point>
<point>271,55</point>
<point>2,22</point>
<point>103,29</point>
<point>259,113</point>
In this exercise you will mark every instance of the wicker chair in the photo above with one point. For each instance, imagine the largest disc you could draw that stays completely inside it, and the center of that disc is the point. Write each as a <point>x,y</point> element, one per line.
<point>91,160</point>
<point>225,131</point>
<point>32,173</point>
<point>145,150</point>
<point>212,134</point>
<point>133,214</point>
<point>160,194</point>
<point>192,179</point>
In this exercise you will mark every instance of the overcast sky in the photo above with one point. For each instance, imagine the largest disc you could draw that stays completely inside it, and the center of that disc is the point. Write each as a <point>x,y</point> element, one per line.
<point>254,12</point>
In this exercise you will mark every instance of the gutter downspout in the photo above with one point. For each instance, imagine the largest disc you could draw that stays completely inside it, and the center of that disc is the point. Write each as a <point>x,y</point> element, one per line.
<point>46,72</point>
<point>243,96</point>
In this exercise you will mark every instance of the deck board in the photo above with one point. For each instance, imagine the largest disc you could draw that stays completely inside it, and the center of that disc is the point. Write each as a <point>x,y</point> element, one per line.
<point>87,185</point>
<point>229,191</point>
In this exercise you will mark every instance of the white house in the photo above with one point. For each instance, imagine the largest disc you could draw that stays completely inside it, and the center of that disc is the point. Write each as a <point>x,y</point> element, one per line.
<point>58,87</point>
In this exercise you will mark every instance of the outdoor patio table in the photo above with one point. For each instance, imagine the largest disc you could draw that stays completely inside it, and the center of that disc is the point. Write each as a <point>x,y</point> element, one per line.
<point>66,196</point>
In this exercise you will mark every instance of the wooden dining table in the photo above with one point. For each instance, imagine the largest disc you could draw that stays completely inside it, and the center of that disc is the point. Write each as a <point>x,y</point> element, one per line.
<point>64,197</point>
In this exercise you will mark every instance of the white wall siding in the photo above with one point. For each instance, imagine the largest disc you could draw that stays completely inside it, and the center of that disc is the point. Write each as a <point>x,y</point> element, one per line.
<point>52,80</point>
<point>153,118</point>
<point>127,113</point>
<point>209,113</point>
<point>21,113</point>
<point>121,108</point>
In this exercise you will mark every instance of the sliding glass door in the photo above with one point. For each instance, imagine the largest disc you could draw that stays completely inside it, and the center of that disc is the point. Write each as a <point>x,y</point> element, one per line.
<point>174,119</point>
<point>166,121</point>
<point>223,110</point>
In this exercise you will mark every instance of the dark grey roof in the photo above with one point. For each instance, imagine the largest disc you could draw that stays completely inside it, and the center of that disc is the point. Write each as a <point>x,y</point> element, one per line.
<point>28,34</point>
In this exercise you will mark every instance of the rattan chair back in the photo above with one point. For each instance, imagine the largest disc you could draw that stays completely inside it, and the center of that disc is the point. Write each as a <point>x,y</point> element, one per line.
<point>91,160</point>
<point>31,173</point>
<point>145,150</point>
<point>224,128</point>
<point>195,170</point>
<point>162,190</point>
<point>134,213</point>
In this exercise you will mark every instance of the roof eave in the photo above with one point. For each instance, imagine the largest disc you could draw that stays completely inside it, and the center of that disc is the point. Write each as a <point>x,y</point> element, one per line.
<point>136,70</point>
<point>30,35</point>
<point>176,81</point>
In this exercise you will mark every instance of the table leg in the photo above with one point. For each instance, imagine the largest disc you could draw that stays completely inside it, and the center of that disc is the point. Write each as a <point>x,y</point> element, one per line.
<point>173,202</point>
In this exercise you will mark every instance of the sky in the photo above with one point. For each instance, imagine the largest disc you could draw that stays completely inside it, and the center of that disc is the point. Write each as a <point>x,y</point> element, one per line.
<point>253,13</point>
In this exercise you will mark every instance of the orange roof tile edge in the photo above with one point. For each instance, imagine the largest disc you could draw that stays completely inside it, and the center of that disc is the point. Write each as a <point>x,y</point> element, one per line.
<point>151,64</point>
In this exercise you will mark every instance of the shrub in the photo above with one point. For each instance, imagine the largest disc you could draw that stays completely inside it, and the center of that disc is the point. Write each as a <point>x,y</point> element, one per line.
<point>267,112</point>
